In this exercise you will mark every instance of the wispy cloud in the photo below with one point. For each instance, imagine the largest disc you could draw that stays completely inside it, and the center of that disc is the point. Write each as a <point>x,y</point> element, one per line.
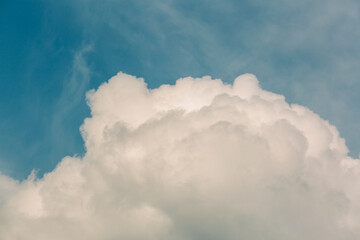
<point>70,101</point>
<point>75,87</point>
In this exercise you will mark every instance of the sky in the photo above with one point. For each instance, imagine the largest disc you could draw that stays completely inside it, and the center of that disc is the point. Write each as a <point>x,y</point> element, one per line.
<point>53,52</point>
<point>155,119</point>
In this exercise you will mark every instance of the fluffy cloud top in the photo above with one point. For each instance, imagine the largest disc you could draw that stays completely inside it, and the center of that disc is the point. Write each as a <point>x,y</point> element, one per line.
<point>197,160</point>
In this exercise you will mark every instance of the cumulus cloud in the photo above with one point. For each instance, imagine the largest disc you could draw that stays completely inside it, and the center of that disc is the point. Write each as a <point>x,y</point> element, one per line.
<point>200,159</point>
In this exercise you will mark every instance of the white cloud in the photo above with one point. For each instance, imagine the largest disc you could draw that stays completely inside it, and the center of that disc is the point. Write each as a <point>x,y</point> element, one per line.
<point>197,160</point>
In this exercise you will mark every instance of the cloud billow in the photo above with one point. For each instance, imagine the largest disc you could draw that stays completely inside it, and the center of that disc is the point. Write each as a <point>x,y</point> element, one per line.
<point>196,160</point>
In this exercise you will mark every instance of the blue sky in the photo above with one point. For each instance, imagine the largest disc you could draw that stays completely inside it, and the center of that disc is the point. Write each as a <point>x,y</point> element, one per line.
<point>53,52</point>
